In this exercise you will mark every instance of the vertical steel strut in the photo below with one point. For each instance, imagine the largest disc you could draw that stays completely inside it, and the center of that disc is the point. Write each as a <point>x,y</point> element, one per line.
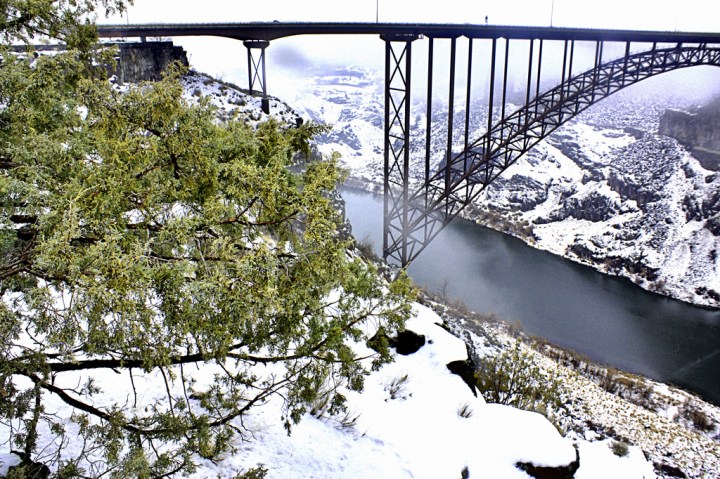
<point>539,70</point>
<point>469,92</point>
<point>398,68</point>
<point>525,114</point>
<point>256,69</point>
<point>428,114</point>
<point>451,114</point>
<point>504,85</point>
<point>491,102</point>
<point>468,87</point>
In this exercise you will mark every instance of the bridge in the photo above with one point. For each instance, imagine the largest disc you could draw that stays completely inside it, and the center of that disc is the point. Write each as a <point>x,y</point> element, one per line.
<point>422,195</point>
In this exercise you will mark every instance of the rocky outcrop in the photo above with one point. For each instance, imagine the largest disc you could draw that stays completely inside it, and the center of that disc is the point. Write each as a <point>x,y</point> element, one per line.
<point>593,207</point>
<point>144,61</point>
<point>466,370</point>
<point>147,60</point>
<point>543,472</point>
<point>628,187</point>
<point>523,192</point>
<point>407,342</point>
<point>699,131</point>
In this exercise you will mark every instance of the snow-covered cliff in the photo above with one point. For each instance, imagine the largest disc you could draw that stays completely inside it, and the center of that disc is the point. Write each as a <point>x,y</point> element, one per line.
<point>606,189</point>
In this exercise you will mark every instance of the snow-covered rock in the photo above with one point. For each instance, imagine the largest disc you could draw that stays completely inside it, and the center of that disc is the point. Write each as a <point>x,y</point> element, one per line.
<point>605,189</point>
<point>233,102</point>
<point>406,424</point>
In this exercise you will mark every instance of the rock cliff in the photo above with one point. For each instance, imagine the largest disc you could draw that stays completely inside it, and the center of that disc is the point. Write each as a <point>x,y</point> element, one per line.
<point>699,131</point>
<point>611,188</point>
<point>146,60</point>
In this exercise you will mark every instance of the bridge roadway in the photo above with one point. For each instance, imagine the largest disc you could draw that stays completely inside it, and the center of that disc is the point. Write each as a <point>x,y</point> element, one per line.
<point>274,30</point>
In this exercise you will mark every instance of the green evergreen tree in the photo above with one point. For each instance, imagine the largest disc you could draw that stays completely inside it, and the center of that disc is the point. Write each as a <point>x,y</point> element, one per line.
<point>140,235</point>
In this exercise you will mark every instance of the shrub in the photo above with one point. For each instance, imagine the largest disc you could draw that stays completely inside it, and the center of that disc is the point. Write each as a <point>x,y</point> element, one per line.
<point>511,378</point>
<point>465,411</point>
<point>620,448</point>
<point>699,418</point>
<point>259,472</point>
<point>397,387</point>
<point>366,248</point>
<point>330,407</point>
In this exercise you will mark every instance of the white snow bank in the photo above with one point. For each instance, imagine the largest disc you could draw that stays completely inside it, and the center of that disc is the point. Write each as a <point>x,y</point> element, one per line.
<point>631,466</point>
<point>407,423</point>
<point>408,426</point>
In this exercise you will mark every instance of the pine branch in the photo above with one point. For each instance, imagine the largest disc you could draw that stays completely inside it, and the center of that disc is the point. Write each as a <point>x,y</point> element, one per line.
<point>20,367</point>
<point>77,404</point>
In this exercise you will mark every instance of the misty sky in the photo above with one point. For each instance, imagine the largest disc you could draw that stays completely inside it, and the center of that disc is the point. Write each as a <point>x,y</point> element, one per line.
<point>227,59</point>
<point>697,15</point>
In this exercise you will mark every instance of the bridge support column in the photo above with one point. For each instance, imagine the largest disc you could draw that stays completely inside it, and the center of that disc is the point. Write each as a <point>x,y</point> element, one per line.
<point>256,69</point>
<point>398,69</point>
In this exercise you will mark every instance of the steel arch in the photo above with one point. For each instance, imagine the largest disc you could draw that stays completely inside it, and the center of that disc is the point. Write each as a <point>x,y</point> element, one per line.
<point>431,206</point>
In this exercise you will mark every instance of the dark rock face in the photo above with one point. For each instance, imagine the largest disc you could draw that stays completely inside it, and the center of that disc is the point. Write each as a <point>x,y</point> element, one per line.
<point>570,148</point>
<point>699,131</point>
<point>147,60</point>
<point>407,342</point>
<point>466,371</point>
<point>670,471</point>
<point>627,187</point>
<point>343,135</point>
<point>523,193</point>
<point>541,472</point>
<point>594,207</point>
<point>29,469</point>
<point>699,208</point>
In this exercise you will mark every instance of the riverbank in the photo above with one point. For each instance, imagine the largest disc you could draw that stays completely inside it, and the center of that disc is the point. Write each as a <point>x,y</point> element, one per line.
<point>521,230</point>
<point>676,430</point>
<point>606,318</point>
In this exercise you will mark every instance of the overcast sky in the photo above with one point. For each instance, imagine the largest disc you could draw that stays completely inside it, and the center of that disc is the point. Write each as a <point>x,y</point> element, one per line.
<point>227,59</point>
<point>697,15</point>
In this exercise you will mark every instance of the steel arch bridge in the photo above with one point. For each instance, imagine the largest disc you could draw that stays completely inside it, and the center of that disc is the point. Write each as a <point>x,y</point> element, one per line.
<point>417,205</point>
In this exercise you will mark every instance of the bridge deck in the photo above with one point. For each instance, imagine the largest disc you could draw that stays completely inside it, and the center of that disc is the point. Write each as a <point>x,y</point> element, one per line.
<point>274,30</point>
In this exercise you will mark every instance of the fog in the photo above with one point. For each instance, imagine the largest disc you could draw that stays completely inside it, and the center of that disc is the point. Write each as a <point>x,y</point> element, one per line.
<point>290,61</point>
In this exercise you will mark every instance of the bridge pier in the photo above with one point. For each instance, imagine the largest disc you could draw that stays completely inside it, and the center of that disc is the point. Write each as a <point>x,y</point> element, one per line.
<point>256,69</point>
<point>398,70</point>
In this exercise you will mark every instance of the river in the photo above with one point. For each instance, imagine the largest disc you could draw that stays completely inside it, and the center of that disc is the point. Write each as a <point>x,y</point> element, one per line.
<point>608,319</point>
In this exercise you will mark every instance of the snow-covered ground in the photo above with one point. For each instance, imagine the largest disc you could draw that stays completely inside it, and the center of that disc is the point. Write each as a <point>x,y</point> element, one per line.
<point>419,433</point>
<point>234,103</point>
<point>406,424</point>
